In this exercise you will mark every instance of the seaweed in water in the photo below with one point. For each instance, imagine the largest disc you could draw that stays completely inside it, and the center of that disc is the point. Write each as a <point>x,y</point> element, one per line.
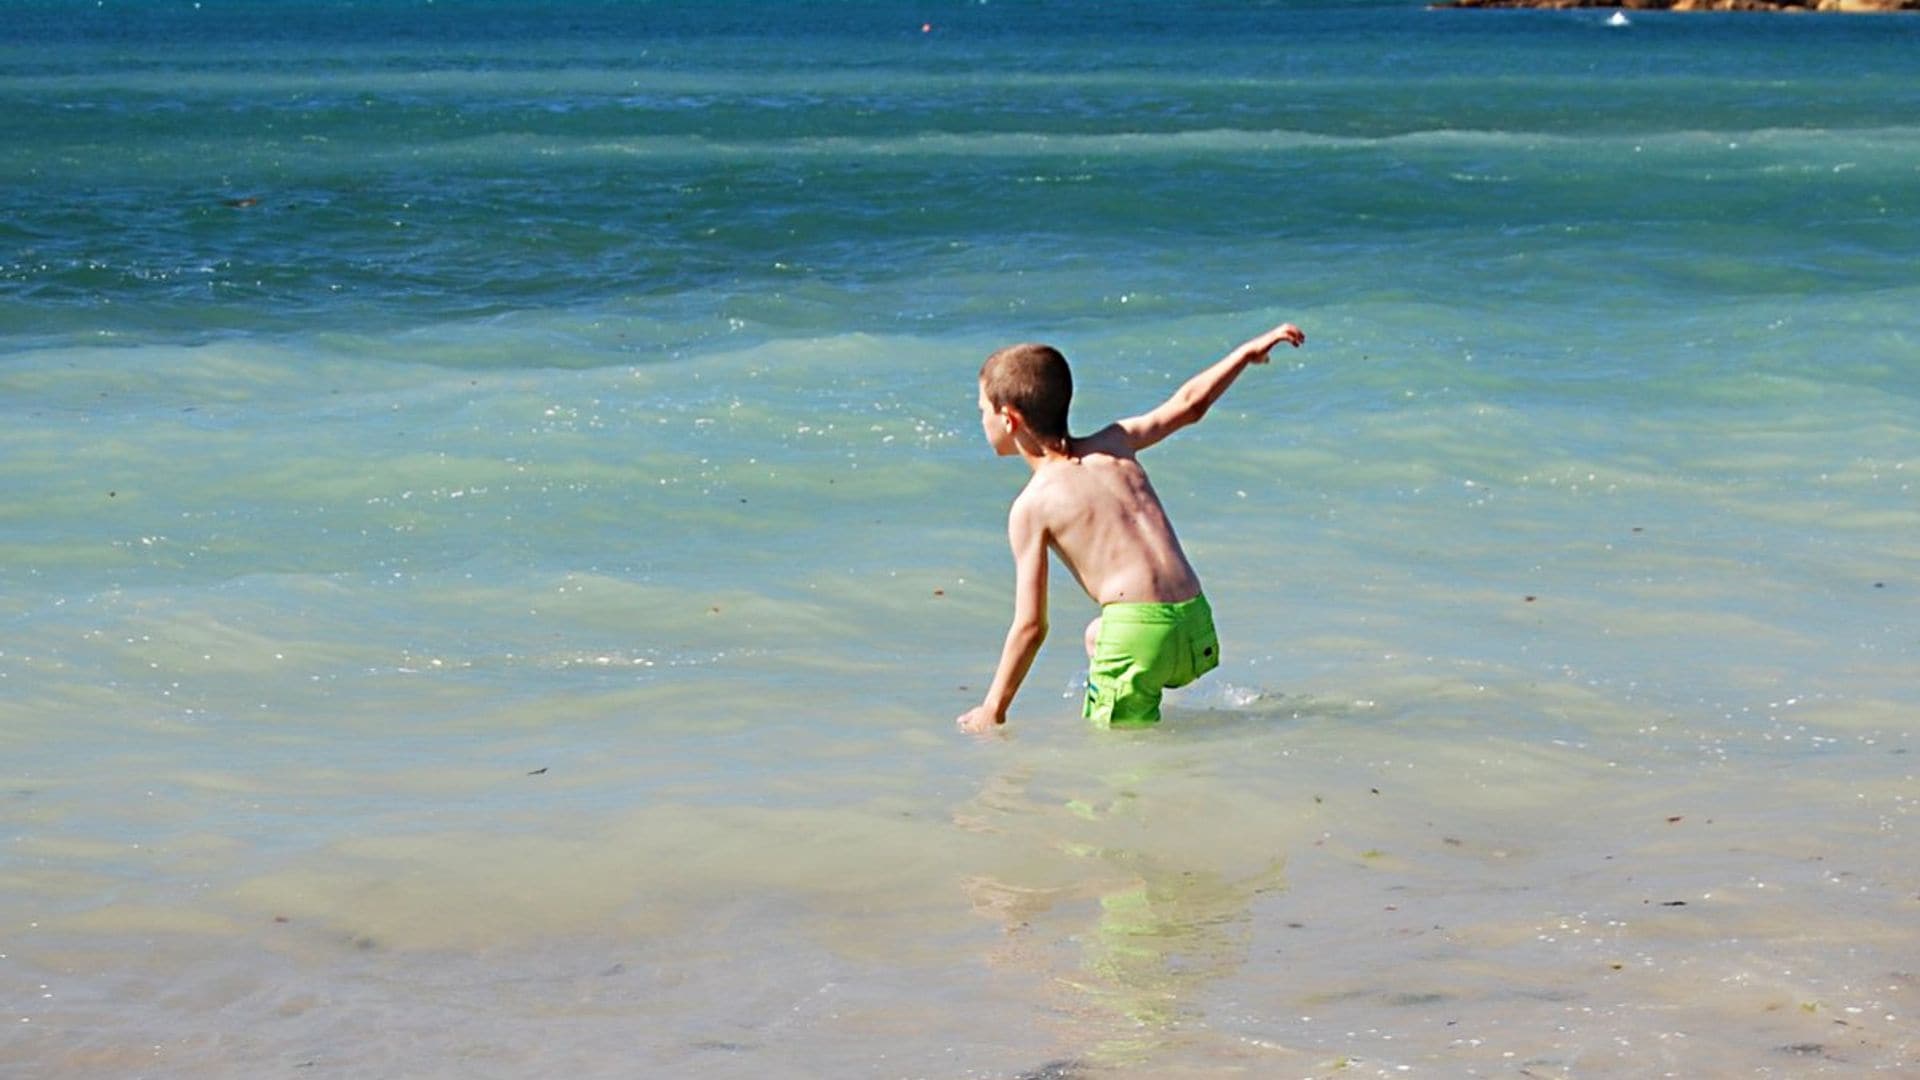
<point>1064,1069</point>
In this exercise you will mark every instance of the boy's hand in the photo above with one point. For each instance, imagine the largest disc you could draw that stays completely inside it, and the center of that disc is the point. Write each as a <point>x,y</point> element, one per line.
<point>979,720</point>
<point>1286,332</point>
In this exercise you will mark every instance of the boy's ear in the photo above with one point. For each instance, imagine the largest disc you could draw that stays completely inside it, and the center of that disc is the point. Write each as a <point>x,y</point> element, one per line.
<point>1011,417</point>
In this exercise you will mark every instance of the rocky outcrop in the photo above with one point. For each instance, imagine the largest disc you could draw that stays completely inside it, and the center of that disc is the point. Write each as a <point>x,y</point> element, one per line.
<point>1844,6</point>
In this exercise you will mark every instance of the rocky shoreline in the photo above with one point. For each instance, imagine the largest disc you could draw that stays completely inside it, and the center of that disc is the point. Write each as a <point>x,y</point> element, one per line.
<point>1843,6</point>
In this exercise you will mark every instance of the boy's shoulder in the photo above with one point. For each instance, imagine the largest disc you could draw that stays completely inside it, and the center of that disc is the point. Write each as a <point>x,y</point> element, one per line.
<point>1111,439</point>
<point>1057,487</point>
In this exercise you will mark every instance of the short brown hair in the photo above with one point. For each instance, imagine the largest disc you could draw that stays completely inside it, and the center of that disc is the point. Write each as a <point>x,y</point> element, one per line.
<point>1034,379</point>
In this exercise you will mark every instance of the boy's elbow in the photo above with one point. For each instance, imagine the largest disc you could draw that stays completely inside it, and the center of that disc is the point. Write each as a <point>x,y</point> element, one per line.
<point>1191,408</point>
<point>1195,400</point>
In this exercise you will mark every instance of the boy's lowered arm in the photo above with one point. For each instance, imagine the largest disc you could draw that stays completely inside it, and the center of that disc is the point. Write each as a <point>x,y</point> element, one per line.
<point>1029,627</point>
<point>1191,402</point>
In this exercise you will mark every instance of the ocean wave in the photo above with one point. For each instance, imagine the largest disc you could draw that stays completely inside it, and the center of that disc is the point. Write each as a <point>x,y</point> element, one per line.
<point>1877,148</point>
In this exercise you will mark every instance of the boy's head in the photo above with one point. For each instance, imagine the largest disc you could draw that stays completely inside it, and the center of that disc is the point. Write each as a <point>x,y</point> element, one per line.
<point>1032,381</point>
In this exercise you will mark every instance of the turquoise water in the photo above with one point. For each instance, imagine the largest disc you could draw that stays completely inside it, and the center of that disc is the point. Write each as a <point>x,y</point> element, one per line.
<point>495,534</point>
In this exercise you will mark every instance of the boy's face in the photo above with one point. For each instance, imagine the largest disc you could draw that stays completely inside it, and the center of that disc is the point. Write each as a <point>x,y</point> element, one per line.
<point>995,426</point>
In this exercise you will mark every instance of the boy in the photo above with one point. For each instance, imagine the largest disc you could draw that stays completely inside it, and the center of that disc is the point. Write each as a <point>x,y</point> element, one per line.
<point>1089,500</point>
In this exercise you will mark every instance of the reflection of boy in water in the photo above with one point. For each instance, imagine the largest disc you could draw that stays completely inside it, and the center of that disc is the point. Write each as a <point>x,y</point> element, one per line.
<point>1090,501</point>
<point>1167,919</point>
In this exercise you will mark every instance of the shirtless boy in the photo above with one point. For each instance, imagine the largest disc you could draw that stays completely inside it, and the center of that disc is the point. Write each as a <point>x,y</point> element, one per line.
<point>1089,500</point>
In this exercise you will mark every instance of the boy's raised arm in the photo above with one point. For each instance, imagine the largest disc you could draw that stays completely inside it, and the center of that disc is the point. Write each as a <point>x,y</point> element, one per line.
<point>1191,402</point>
<point>1029,627</point>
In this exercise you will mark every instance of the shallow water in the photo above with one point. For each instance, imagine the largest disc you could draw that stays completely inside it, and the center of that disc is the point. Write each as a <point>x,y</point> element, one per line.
<point>495,533</point>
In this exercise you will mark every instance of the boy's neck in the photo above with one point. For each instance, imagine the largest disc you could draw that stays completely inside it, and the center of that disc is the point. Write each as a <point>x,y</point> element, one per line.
<point>1038,453</point>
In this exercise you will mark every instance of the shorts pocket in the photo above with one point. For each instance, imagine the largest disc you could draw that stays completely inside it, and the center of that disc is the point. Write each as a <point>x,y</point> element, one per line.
<point>1206,651</point>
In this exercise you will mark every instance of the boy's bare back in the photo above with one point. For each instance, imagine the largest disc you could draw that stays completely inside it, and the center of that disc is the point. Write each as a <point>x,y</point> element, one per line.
<point>1096,508</point>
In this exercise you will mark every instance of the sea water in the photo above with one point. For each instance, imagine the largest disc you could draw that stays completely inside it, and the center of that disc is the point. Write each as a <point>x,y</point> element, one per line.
<point>495,532</point>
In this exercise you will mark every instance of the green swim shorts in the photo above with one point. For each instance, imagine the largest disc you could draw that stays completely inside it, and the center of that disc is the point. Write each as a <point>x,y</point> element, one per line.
<point>1143,649</point>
